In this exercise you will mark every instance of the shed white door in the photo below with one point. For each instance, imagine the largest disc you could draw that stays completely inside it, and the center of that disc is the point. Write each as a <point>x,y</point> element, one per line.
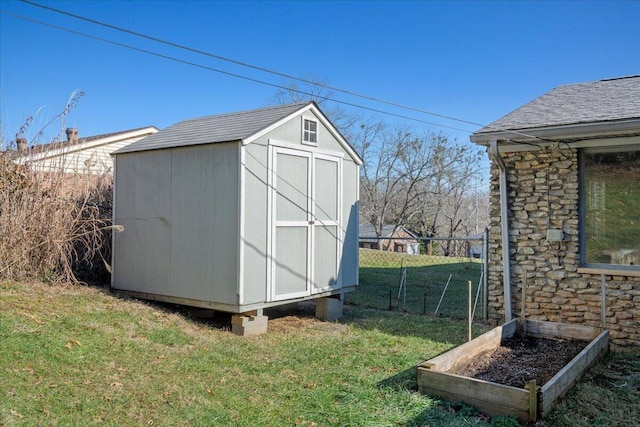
<point>306,236</point>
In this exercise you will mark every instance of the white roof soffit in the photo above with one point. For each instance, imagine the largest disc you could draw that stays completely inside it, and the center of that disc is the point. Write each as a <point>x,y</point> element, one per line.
<point>567,133</point>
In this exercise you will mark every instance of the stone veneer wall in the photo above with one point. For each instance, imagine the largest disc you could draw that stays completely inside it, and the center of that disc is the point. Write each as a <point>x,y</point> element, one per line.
<point>543,193</point>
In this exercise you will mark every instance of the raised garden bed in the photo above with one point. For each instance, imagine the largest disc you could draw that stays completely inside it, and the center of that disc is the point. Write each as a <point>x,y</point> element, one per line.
<point>512,385</point>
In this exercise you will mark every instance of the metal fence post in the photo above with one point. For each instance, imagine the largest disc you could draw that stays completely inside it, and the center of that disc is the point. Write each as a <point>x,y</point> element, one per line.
<point>455,257</point>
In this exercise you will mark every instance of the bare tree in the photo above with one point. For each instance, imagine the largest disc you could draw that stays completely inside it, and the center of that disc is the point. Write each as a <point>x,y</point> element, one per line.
<point>445,209</point>
<point>401,174</point>
<point>317,92</point>
<point>407,179</point>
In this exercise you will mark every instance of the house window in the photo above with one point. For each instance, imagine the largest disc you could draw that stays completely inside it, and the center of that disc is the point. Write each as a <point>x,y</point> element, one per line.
<point>611,208</point>
<point>309,131</point>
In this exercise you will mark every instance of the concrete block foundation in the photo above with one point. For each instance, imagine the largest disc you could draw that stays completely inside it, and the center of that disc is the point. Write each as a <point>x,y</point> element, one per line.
<point>248,324</point>
<point>328,309</point>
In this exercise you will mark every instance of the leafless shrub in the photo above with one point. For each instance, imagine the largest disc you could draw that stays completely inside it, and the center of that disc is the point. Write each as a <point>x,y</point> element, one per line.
<point>53,224</point>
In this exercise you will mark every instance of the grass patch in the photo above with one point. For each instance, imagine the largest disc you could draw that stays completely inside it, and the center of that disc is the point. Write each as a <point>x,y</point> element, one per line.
<point>608,395</point>
<point>80,356</point>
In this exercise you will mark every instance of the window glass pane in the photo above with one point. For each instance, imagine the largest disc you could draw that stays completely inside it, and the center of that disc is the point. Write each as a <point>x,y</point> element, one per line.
<point>310,131</point>
<point>612,207</point>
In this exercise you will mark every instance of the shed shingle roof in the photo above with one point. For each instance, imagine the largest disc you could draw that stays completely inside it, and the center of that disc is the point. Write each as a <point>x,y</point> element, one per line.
<point>602,101</point>
<point>213,129</point>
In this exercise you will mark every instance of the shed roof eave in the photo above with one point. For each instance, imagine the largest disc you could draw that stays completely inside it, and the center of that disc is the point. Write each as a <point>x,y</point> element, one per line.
<point>565,132</point>
<point>196,144</point>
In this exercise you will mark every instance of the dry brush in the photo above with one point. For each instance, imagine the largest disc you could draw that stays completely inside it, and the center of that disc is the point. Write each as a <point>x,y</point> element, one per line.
<point>53,225</point>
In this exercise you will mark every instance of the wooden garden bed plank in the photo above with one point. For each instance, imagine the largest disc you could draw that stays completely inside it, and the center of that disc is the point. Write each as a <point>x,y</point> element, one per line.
<point>487,341</point>
<point>493,398</point>
<point>567,377</point>
<point>543,329</point>
<point>489,397</point>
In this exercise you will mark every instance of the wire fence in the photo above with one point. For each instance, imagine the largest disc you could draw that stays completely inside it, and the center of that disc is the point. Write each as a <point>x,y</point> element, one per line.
<point>424,275</point>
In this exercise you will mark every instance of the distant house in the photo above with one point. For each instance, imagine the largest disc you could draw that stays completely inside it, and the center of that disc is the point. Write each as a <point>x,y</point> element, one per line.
<point>565,201</point>
<point>393,238</point>
<point>475,245</point>
<point>89,155</point>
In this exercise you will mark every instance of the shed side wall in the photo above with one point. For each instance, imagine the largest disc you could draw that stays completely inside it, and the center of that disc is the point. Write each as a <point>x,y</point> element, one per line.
<point>179,210</point>
<point>350,219</point>
<point>141,253</point>
<point>204,223</point>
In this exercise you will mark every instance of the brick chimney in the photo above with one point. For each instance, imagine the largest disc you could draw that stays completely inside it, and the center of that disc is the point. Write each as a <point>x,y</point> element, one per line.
<point>21,143</point>
<point>72,135</point>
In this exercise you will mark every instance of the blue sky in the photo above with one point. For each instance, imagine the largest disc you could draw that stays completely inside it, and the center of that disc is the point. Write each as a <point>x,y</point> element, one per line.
<point>471,60</point>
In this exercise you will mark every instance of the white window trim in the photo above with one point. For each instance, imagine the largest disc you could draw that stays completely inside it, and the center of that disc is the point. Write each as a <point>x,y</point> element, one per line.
<point>316,121</point>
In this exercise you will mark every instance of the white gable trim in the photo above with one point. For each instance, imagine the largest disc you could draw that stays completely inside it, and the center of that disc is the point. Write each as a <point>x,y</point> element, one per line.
<point>309,148</point>
<point>321,118</point>
<point>277,124</point>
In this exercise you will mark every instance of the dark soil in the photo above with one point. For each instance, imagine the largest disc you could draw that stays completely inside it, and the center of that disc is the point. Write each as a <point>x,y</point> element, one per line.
<point>521,359</point>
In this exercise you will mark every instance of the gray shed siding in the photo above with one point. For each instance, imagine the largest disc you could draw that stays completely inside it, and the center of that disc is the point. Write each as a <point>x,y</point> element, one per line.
<point>350,219</point>
<point>202,223</point>
<point>180,211</point>
<point>142,252</point>
<point>256,224</point>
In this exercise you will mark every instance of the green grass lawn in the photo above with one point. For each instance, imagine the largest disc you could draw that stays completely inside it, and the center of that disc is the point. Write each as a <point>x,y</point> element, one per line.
<point>81,356</point>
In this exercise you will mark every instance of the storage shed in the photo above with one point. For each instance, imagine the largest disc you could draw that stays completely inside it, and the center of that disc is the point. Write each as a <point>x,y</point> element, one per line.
<point>239,212</point>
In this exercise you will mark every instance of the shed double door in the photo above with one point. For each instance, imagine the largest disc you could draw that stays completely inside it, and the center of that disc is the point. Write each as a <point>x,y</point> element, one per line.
<point>306,235</point>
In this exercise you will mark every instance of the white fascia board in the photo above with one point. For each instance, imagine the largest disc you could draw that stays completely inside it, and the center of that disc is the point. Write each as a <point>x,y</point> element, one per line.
<point>347,147</point>
<point>599,142</point>
<point>277,124</point>
<point>581,131</point>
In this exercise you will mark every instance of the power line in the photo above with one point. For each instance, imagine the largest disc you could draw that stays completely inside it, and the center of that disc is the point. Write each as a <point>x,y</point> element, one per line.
<point>266,70</point>
<point>251,79</point>
<point>245,64</point>
<point>300,79</point>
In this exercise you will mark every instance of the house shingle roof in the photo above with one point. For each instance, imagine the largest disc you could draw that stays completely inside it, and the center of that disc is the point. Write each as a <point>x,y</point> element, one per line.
<point>214,129</point>
<point>604,101</point>
<point>56,145</point>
